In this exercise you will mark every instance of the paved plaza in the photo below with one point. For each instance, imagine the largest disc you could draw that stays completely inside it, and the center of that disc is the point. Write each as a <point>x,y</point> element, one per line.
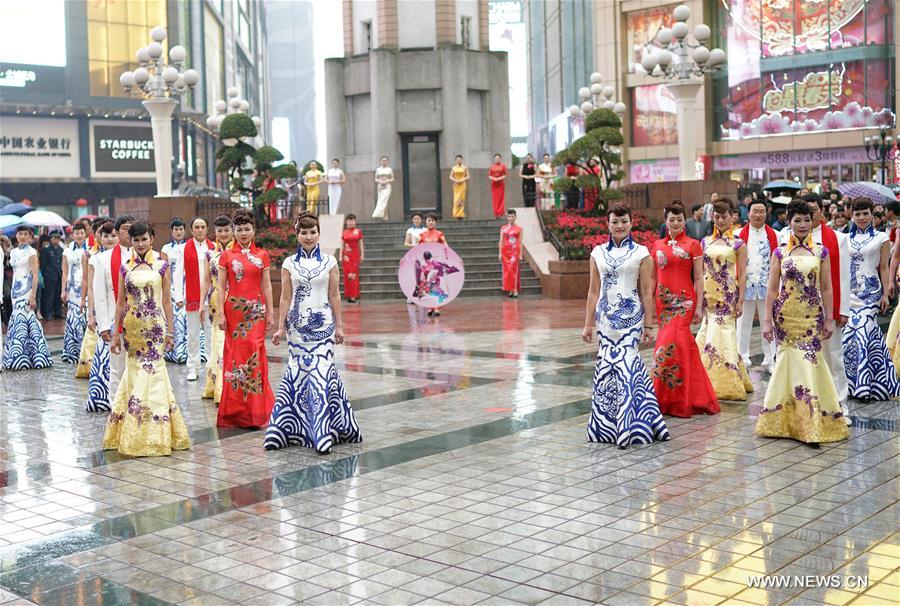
<point>474,485</point>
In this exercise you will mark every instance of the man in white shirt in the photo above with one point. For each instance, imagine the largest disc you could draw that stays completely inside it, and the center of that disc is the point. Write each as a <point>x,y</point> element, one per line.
<point>761,240</point>
<point>833,348</point>
<point>195,275</point>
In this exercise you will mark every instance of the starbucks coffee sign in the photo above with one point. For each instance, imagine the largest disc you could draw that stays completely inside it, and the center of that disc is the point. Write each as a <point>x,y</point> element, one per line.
<point>121,149</point>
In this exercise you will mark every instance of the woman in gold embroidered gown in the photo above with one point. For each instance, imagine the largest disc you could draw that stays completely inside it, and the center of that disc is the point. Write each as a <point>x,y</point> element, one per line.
<point>724,271</point>
<point>801,401</point>
<point>145,420</point>
<point>459,174</point>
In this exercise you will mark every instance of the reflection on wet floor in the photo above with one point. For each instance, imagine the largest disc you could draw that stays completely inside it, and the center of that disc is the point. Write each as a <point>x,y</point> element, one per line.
<point>474,485</point>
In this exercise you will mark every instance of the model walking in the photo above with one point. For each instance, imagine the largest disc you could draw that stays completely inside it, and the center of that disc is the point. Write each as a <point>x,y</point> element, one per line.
<point>497,176</point>
<point>195,273</point>
<point>89,341</point>
<point>761,243</point>
<point>527,170</point>
<point>145,420</point>
<point>353,253</point>
<point>384,176</point>
<point>724,272</point>
<point>25,346</point>
<point>459,175</point>
<point>312,179</point>
<point>103,291</point>
<point>246,292</point>
<point>173,253</point>
<point>679,378</point>
<point>624,409</point>
<point>511,254</point>
<point>336,179</point>
<point>801,401</point>
<point>76,320</point>
<point>212,388</point>
<point>311,407</point>
<point>870,371</point>
<point>545,175</point>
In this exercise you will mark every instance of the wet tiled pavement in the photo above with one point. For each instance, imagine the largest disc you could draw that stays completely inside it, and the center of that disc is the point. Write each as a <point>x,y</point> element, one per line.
<point>474,485</point>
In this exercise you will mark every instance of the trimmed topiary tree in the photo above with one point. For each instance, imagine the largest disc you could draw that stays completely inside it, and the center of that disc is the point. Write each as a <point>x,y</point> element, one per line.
<point>237,159</point>
<point>602,140</point>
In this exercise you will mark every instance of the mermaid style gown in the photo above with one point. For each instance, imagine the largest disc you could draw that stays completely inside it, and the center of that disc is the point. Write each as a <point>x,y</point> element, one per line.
<point>145,420</point>
<point>76,320</point>
<point>680,380</point>
<point>717,338</point>
<point>25,346</point>
<point>801,400</point>
<point>311,406</point>
<point>871,374</point>
<point>624,410</point>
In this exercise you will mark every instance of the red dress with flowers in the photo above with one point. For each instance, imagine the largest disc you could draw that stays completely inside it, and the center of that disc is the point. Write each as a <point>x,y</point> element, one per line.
<point>350,259</point>
<point>680,380</point>
<point>247,398</point>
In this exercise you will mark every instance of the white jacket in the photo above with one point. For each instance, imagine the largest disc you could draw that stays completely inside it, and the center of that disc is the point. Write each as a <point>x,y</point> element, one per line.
<point>102,287</point>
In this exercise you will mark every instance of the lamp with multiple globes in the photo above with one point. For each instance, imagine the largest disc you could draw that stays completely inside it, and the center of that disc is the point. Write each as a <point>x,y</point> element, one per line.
<point>673,54</point>
<point>881,148</point>
<point>596,96</point>
<point>234,105</point>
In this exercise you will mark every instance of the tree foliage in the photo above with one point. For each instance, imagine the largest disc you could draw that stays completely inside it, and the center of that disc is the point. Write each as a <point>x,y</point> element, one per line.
<point>602,141</point>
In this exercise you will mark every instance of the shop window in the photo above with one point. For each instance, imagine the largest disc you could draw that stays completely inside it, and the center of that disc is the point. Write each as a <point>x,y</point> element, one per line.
<point>654,120</point>
<point>116,30</point>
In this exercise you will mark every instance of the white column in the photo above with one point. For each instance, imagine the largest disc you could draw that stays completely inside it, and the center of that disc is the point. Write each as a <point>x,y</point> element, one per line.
<point>161,121</point>
<point>685,93</point>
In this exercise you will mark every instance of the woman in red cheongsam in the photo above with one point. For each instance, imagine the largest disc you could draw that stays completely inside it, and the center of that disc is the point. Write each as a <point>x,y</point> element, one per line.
<point>679,378</point>
<point>497,176</point>
<point>246,290</point>
<point>352,254</point>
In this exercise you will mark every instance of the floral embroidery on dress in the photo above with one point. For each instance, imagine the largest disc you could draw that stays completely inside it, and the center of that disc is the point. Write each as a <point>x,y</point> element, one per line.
<point>661,259</point>
<point>609,395</point>
<point>664,368</point>
<point>245,377</point>
<point>251,310</point>
<point>673,305</point>
<point>238,268</point>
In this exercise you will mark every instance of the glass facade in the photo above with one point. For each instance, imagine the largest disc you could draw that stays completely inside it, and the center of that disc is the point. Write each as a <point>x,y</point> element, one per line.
<point>654,119</point>
<point>214,58</point>
<point>829,67</point>
<point>116,29</point>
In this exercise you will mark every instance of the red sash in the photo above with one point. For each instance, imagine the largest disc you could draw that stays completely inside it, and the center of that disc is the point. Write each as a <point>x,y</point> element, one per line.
<point>744,235</point>
<point>115,266</point>
<point>830,241</point>
<point>192,275</point>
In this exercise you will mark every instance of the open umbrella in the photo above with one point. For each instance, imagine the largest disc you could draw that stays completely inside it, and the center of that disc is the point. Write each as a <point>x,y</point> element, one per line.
<point>867,189</point>
<point>44,218</point>
<point>782,184</point>
<point>4,200</point>
<point>9,221</point>
<point>16,209</point>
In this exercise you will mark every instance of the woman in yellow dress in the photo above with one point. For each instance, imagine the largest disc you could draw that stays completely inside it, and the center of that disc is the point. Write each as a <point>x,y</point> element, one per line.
<point>145,420</point>
<point>893,335</point>
<point>312,178</point>
<point>801,401</point>
<point>724,271</point>
<point>459,174</point>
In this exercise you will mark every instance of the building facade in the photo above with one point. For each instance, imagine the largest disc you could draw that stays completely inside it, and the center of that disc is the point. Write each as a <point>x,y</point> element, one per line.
<point>417,84</point>
<point>795,101</point>
<point>560,61</point>
<point>71,94</point>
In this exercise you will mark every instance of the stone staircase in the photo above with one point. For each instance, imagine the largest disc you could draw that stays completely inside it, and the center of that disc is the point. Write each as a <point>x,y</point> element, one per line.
<point>474,241</point>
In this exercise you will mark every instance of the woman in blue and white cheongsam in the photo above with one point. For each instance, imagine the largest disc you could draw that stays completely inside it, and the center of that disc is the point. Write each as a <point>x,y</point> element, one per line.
<point>311,406</point>
<point>76,319</point>
<point>25,345</point>
<point>867,362</point>
<point>624,409</point>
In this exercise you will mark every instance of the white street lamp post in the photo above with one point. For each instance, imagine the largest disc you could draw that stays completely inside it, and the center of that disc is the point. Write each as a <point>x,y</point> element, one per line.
<point>160,85</point>
<point>676,58</point>
<point>591,98</point>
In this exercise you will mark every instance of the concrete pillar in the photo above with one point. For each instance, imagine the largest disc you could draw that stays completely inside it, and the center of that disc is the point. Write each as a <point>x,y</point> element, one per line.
<point>484,40</point>
<point>388,32</point>
<point>348,28</point>
<point>454,100</point>
<point>445,21</point>
<point>498,108</point>
<point>335,109</point>
<point>685,93</point>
